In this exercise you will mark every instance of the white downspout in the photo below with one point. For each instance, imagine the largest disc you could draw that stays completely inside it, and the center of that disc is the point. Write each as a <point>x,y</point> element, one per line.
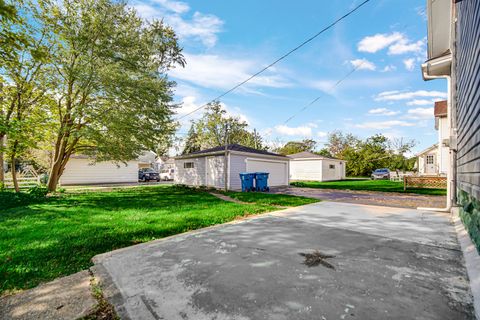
<point>450,175</point>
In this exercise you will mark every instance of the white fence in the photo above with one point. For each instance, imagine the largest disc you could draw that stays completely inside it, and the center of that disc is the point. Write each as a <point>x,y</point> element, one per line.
<point>399,176</point>
<point>26,179</point>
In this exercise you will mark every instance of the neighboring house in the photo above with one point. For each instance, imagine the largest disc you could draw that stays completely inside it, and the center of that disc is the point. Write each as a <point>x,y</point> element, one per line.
<point>147,160</point>
<point>310,166</point>
<point>165,163</point>
<point>81,169</point>
<point>427,161</point>
<point>207,167</point>
<point>441,125</point>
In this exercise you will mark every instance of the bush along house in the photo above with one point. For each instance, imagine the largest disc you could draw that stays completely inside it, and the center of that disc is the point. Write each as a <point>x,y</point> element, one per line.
<point>453,54</point>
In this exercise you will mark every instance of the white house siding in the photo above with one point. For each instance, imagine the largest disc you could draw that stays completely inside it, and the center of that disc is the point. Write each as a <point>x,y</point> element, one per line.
<point>190,176</point>
<point>83,171</point>
<point>338,173</point>
<point>215,168</point>
<point>443,158</point>
<point>306,170</point>
<point>237,165</point>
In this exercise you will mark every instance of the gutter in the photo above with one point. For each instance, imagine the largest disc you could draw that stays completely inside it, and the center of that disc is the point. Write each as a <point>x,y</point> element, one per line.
<point>437,68</point>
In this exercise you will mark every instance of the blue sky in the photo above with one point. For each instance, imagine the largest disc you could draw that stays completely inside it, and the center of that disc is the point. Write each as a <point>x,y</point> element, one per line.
<point>226,41</point>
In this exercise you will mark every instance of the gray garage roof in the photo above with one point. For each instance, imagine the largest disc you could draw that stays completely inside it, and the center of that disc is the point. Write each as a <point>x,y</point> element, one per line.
<point>232,147</point>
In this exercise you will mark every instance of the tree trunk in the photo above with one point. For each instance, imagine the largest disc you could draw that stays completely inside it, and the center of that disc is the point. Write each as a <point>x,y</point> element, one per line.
<point>55,172</point>
<point>14,174</point>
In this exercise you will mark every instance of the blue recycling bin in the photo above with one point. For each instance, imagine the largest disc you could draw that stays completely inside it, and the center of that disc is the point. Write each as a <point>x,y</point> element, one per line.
<point>261,181</point>
<point>247,181</point>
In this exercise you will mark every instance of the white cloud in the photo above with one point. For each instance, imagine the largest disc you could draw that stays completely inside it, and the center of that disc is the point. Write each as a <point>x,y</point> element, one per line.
<point>409,64</point>
<point>175,6</point>
<point>396,42</point>
<point>422,102</point>
<point>404,46</point>
<point>420,113</point>
<point>378,42</point>
<point>383,112</point>
<point>398,95</point>
<point>213,71</point>
<point>203,27</point>
<point>389,68</point>
<point>293,131</point>
<point>322,134</point>
<point>381,125</point>
<point>363,64</point>
<point>190,104</point>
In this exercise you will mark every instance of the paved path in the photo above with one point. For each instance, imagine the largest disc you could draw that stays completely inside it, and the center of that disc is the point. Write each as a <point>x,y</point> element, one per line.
<point>390,199</point>
<point>66,298</point>
<point>388,263</point>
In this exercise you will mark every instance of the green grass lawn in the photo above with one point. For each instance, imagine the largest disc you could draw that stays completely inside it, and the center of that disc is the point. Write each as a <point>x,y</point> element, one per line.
<point>43,240</point>
<point>368,185</point>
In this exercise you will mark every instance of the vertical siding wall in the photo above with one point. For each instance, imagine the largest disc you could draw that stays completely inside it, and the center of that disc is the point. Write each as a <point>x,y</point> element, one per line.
<point>190,176</point>
<point>237,165</point>
<point>467,73</point>
<point>468,96</point>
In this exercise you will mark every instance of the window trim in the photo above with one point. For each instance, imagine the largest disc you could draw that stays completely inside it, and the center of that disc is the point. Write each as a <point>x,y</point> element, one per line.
<point>189,165</point>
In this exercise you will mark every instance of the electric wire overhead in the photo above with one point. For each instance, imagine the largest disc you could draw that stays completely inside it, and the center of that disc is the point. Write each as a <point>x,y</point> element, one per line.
<point>331,25</point>
<point>331,88</point>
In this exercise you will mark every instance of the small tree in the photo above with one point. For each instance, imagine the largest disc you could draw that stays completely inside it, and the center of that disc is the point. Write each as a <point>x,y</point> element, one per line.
<point>215,124</point>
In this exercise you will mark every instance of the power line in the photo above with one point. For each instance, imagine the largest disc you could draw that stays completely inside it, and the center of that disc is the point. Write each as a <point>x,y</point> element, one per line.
<point>279,59</point>
<point>318,98</point>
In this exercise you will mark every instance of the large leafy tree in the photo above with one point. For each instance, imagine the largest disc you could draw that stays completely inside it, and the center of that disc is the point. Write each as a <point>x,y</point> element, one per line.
<point>216,127</point>
<point>292,147</point>
<point>108,74</point>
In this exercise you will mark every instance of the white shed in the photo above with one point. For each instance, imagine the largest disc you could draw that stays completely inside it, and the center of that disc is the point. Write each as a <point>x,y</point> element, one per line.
<point>207,167</point>
<point>82,170</point>
<point>313,167</point>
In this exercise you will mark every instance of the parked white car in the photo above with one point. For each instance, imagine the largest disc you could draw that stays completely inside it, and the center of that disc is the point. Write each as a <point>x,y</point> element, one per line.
<point>167,174</point>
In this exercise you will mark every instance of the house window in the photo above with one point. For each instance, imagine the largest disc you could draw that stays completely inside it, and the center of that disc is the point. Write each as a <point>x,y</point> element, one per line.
<point>188,165</point>
<point>332,166</point>
<point>430,159</point>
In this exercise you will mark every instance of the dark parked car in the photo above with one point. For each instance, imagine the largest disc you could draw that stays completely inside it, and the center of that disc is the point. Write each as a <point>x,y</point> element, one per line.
<point>381,174</point>
<point>148,174</point>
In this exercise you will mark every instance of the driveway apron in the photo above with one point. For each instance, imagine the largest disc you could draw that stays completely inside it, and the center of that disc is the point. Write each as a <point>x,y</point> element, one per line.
<point>321,261</point>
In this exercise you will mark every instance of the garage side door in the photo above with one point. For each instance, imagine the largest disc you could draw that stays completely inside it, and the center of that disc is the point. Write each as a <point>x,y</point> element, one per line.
<point>277,170</point>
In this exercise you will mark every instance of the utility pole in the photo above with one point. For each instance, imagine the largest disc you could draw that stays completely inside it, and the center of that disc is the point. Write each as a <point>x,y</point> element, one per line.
<point>225,160</point>
<point>255,138</point>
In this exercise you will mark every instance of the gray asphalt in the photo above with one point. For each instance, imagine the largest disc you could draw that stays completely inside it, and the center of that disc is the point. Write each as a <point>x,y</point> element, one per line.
<point>391,199</point>
<point>387,263</point>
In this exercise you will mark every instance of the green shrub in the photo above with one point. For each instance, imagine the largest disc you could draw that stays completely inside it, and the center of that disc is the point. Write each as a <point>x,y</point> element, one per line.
<point>38,192</point>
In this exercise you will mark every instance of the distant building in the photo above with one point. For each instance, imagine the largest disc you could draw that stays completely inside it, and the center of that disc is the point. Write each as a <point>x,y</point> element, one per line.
<point>310,166</point>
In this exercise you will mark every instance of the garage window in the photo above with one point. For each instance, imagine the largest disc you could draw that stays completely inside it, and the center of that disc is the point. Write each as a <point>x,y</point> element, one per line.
<point>188,165</point>
<point>332,166</point>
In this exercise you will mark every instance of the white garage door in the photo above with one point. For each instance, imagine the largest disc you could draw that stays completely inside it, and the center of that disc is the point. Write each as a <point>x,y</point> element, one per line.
<point>277,170</point>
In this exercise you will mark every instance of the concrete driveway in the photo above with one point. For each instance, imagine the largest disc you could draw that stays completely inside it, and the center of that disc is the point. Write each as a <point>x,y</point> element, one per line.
<point>321,261</point>
<point>391,199</point>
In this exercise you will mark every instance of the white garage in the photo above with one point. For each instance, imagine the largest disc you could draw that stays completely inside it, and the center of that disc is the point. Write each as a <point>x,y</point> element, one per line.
<point>207,167</point>
<point>308,166</point>
<point>82,170</point>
